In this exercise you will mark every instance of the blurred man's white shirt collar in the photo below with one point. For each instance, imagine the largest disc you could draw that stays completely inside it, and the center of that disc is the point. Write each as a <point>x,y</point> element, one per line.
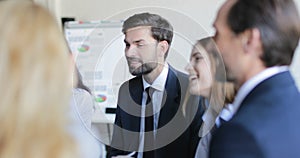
<point>249,85</point>
<point>160,81</point>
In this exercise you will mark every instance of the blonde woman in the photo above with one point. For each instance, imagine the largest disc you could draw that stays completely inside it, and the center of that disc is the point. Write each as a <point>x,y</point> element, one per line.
<point>207,79</point>
<point>35,83</point>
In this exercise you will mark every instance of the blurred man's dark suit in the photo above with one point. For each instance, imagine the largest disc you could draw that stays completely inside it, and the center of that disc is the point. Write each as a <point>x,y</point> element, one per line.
<point>266,124</point>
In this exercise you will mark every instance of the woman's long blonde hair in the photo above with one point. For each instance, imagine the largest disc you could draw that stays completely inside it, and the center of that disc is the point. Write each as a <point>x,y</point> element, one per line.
<point>35,83</point>
<point>221,91</point>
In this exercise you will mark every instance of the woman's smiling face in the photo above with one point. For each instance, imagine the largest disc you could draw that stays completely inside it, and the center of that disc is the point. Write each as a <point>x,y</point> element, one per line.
<point>200,74</point>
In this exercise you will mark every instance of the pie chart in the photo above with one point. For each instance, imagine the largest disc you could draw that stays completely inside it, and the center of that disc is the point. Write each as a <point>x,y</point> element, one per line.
<point>100,98</point>
<point>83,48</point>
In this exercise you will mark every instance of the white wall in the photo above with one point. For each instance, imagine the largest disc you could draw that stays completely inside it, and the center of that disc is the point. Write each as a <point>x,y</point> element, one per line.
<point>190,18</point>
<point>202,11</point>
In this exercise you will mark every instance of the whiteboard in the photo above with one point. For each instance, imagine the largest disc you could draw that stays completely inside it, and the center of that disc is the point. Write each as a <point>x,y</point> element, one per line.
<point>97,47</point>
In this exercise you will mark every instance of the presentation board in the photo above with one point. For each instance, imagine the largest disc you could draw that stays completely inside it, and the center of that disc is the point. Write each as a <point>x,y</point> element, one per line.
<point>98,50</point>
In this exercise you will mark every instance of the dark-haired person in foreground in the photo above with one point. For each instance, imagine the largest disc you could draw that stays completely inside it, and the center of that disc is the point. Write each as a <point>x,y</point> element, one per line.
<point>257,39</point>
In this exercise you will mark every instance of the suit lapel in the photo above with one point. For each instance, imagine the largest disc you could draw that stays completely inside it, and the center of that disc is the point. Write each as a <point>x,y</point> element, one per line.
<point>135,101</point>
<point>172,97</point>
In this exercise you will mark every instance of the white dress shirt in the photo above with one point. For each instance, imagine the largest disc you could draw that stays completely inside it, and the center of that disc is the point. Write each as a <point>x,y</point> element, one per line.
<point>226,114</point>
<point>81,110</point>
<point>157,97</point>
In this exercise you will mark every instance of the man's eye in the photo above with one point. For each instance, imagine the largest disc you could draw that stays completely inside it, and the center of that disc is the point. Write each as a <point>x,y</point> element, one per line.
<point>140,45</point>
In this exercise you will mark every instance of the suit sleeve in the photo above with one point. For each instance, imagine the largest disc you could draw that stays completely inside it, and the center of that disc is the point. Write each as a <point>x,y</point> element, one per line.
<point>234,141</point>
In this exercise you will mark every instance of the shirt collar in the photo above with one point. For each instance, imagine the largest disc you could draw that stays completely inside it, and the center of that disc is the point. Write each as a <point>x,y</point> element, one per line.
<point>249,85</point>
<point>227,112</point>
<point>160,81</point>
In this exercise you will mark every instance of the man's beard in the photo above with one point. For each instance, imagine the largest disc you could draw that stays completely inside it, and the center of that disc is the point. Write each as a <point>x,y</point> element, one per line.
<point>144,69</point>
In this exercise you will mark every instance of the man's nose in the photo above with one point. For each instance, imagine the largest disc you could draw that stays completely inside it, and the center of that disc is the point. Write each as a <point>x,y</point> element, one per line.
<point>130,51</point>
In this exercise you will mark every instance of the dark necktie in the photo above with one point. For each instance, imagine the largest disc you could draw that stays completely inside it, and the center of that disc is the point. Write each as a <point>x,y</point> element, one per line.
<point>149,137</point>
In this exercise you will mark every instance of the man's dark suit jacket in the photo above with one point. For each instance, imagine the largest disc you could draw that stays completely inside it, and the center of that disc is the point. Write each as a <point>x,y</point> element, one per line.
<point>130,99</point>
<point>266,124</point>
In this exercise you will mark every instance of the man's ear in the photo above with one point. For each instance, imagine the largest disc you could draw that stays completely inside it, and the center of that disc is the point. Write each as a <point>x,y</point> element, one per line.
<point>246,40</point>
<point>163,47</point>
<point>251,41</point>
